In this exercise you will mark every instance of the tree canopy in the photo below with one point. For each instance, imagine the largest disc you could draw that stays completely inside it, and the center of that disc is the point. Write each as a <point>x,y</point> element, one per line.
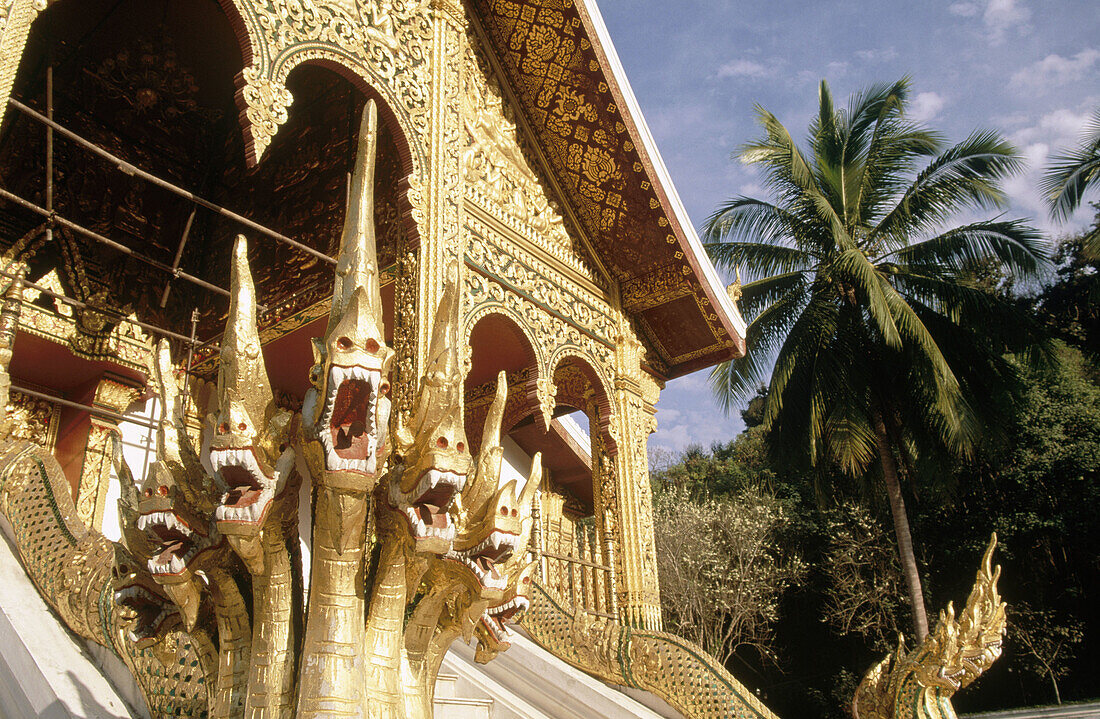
<point>880,349</point>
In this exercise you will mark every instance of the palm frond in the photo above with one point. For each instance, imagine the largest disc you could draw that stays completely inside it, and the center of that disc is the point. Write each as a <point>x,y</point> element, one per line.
<point>1018,248</point>
<point>758,221</point>
<point>855,269</point>
<point>757,295</point>
<point>1064,183</point>
<point>965,175</point>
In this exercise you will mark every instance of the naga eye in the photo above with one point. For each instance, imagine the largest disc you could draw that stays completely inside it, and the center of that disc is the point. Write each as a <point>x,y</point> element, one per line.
<point>242,426</point>
<point>460,447</point>
<point>372,346</point>
<point>515,512</point>
<point>526,580</point>
<point>504,511</point>
<point>344,343</point>
<point>223,428</point>
<point>162,491</point>
<point>441,442</point>
<point>384,389</point>
<point>148,492</point>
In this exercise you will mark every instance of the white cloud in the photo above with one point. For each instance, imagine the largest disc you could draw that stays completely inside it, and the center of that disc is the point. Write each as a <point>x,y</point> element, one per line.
<point>884,54</point>
<point>745,68</point>
<point>1055,71</point>
<point>1001,16</point>
<point>964,9</point>
<point>688,414</point>
<point>1052,133</point>
<point>925,106</point>
<point>836,69</point>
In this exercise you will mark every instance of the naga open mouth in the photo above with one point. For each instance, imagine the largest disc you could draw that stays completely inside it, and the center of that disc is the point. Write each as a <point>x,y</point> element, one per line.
<point>348,431</point>
<point>485,557</point>
<point>428,513</point>
<point>494,618</point>
<point>145,611</point>
<point>250,490</point>
<point>178,542</point>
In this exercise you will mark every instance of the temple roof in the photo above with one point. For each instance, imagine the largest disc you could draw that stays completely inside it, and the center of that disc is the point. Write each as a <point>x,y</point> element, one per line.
<point>565,76</point>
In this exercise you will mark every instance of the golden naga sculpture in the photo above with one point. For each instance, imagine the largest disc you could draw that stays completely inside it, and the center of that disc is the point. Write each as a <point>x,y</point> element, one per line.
<point>919,684</point>
<point>414,542</point>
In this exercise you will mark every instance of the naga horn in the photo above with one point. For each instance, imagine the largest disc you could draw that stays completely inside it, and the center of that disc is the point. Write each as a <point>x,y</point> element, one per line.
<point>242,375</point>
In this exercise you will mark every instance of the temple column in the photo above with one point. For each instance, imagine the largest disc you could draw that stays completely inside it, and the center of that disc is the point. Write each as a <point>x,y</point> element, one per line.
<point>95,473</point>
<point>444,191</point>
<point>632,421</point>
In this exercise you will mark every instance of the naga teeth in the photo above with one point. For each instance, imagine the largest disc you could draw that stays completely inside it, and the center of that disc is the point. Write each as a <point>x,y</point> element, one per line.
<point>423,531</point>
<point>519,603</point>
<point>486,578</point>
<point>221,458</point>
<point>335,463</point>
<point>496,540</point>
<point>434,477</point>
<point>166,519</point>
<point>249,513</point>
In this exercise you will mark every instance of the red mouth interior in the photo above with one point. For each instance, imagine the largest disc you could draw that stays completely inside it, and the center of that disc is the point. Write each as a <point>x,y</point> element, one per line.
<point>244,488</point>
<point>351,421</point>
<point>168,549</point>
<point>432,506</point>
<point>488,558</point>
<point>172,541</point>
<point>507,614</point>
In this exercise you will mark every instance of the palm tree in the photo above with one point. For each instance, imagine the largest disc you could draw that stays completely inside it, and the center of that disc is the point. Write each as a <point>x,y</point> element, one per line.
<point>888,351</point>
<point>1070,176</point>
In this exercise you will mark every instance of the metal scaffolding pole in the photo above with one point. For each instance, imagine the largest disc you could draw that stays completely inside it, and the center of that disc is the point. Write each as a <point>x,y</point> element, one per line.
<point>91,234</point>
<point>112,314</point>
<point>98,411</point>
<point>129,169</point>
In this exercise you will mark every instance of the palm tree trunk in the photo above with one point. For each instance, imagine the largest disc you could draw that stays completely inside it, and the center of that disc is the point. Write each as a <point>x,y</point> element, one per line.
<point>901,528</point>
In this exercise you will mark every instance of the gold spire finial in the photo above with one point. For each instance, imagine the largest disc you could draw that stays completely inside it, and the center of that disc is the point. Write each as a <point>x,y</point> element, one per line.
<point>734,288</point>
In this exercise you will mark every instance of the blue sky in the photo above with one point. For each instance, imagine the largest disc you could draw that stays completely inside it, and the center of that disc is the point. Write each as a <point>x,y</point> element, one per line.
<point>1027,68</point>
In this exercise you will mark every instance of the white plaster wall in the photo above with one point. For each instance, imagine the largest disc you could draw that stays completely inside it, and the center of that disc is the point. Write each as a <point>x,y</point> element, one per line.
<point>139,446</point>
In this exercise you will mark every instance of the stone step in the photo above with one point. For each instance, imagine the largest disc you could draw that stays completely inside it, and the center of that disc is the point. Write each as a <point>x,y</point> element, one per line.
<point>454,708</point>
<point>446,686</point>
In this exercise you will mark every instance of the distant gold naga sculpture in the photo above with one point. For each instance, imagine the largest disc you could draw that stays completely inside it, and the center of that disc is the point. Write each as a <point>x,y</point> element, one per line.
<point>414,542</point>
<point>919,684</point>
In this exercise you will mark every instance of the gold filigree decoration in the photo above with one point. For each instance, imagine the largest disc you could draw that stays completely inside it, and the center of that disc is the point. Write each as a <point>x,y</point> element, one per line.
<point>499,178</point>
<point>682,674</point>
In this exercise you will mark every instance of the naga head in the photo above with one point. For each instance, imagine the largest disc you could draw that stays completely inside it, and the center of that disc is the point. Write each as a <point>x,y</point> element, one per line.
<point>147,614</point>
<point>175,503</point>
<point>958,651</point>
<point>435,458</point>
<point>496,520</point>
<point>493,636</point>
<point>345,414</point>
<point>249,436</point>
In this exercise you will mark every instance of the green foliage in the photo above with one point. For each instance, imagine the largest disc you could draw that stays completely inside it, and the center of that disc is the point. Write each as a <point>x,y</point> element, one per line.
<point>1071,304</point>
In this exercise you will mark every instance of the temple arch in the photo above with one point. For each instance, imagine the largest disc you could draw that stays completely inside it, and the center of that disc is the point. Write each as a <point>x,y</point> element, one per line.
<point>498,342</point>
